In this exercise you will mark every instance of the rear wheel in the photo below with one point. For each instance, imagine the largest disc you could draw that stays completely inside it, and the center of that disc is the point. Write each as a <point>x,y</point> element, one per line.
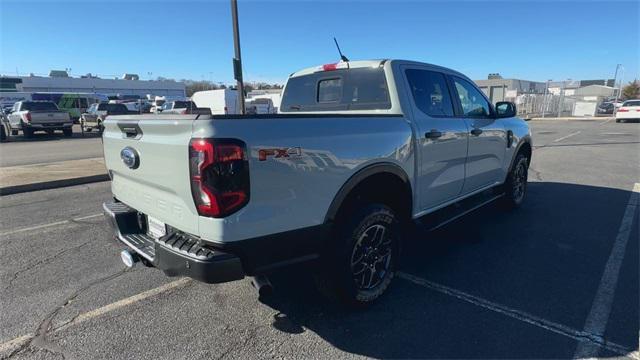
<point>68,132</point>
<point>28,133</point>
<point>361,264</point>
<point>3,133</point>
<point>515,187</point>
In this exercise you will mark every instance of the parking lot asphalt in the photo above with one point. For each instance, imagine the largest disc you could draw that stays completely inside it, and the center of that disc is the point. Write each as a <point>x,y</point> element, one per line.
<point>43,148</point>
<point>557,278</point>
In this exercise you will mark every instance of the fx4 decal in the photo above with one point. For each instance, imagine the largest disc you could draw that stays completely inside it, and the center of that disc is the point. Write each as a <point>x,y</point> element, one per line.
<point>263,154</point>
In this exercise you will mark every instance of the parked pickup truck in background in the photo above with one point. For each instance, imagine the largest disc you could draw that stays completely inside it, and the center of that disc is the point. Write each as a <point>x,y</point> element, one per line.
<point>97,113</point>
<point>359,150</point>
<point>32,116</point>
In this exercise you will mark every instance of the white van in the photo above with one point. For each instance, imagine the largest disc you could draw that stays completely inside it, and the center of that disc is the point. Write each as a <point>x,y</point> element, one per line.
<point>221,101</point>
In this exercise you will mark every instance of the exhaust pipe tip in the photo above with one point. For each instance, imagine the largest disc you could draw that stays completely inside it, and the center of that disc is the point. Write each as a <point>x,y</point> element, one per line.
<point>129,259</point>
<point>262,285</point>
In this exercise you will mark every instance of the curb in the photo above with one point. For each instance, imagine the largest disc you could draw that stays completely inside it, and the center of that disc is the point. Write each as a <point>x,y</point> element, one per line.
<point>603,118</point>
<point>17,189</point>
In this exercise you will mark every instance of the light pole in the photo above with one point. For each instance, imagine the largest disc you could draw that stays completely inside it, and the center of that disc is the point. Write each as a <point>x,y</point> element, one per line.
<point>615,77</point>
<point>544,99</point>
<point>237,60</point>
<point>619,87</point>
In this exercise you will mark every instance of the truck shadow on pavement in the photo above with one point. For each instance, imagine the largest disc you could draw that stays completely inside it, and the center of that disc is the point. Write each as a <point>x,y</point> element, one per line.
<point>545,259</point>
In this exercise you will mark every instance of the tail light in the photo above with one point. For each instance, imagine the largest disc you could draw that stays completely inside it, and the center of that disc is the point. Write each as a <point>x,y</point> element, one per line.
<point>226,111</point>
<point>219,172</point>
<point>623,110</point>
<point>27,117</point>
<point>184,112</point>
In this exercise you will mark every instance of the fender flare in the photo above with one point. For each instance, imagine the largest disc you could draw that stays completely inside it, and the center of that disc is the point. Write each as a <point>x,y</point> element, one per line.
<point>357,178</point>
<point>525,140</point>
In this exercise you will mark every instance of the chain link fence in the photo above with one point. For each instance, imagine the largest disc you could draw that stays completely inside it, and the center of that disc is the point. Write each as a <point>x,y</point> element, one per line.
<point>556,105</point>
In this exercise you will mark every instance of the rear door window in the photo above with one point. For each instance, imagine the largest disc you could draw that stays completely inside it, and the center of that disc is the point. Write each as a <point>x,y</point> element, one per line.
<point>430,92</point>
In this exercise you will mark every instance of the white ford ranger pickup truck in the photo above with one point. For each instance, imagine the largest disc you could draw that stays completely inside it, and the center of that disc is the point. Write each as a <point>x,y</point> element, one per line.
<point>357,152</point>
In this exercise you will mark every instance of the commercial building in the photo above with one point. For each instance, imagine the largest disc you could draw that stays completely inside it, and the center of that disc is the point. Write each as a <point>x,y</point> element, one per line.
<point>61,82</point>
<point>499,89</point>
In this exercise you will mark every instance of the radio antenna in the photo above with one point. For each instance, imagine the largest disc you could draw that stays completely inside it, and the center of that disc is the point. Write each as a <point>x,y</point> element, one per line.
<point>342,57</point>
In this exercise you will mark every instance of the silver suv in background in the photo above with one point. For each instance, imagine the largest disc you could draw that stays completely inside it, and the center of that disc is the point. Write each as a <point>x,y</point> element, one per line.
<point>97,113</point>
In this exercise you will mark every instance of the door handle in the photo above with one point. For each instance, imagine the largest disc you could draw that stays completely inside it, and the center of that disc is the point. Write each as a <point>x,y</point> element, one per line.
<point>433,134</point>
<point>476,132</point>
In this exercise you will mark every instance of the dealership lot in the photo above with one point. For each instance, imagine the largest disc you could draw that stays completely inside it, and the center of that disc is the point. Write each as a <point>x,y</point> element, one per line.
<point>44,148</point>
<point>511,285</point>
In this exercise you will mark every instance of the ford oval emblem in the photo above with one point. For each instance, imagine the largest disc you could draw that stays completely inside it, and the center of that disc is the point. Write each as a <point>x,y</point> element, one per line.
<point>130,157</point>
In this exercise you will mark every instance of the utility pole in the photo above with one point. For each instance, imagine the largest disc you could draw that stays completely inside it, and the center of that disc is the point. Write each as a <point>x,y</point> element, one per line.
<point>615,104</point>
<point>615,77</point>
<point>237,60</point>
<point>544,99</point>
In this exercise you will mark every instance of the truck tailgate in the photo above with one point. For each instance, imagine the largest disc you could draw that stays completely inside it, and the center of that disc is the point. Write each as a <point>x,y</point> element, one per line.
<point>49,117</point>
<point>158,185</point>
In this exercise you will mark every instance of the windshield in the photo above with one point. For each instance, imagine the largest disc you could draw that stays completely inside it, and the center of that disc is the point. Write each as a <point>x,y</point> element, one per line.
<point>39,106</point>
<point>633,103</point>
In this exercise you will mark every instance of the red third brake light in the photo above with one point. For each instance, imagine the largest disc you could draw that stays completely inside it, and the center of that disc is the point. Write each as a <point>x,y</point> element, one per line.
<point>219,173</point>
<point>329,67</point>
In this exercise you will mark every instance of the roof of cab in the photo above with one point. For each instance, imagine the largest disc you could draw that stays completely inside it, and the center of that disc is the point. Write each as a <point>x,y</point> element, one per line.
<point>372,63</point>
<point>351,64</point>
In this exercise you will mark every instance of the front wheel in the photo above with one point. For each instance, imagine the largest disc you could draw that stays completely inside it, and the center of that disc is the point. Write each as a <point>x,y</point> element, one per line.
<point>360,266</point>
<point>515,188</point>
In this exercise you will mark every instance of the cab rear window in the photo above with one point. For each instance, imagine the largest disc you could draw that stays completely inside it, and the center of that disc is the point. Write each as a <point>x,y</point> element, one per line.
<point>346,89</point>
<point>39,106</point>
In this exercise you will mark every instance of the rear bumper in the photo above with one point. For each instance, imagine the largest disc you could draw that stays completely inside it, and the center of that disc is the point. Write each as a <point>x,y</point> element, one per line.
<point>628,115</point>
<point>177,254</point>
<point>43,126</point>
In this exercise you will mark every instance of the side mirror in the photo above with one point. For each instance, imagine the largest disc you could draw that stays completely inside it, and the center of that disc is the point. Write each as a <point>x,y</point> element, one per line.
<point>505,109</point>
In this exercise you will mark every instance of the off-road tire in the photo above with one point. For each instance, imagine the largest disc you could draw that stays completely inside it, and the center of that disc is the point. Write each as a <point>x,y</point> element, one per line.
<point>336,277</point>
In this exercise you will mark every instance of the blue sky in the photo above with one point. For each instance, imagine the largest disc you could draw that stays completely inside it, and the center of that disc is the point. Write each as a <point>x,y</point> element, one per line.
<point>532,40</point>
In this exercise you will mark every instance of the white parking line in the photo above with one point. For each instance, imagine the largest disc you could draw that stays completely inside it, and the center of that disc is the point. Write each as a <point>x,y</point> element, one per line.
<point>605,122</point>
<point>557,328</point>
<point>568,136</point>
<point>87,217</point>
<point>598,317</point>
<point>21,340</point>
<point>42,226</point>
